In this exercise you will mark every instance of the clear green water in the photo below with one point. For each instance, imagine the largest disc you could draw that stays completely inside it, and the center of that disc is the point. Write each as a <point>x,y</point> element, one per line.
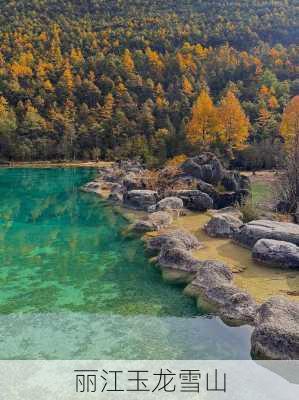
<point>72,286</point>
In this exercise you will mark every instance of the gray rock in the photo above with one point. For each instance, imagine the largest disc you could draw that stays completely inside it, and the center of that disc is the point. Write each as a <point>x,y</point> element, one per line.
<point>154,222</point>
<point>228,199</point>
<point>276,335</point>
<point>117,188</point>
<point>212,274</point>
<point>233,181</point>
<point>223,226</point>
<point>176,238</point>
<point>232,211</point>
<point>250,233</point>
<point>133,182</point>
<point>116,197</point>
<point>276,253</point>
<point>140,199</point>
<point>206,167</point>
<point>230,181</point>
<point>214,289</point>
<point>195,199</point>
<point>94,187</point>
<point>170,203</point>
<point>206,188</point>
<point>177,258</point>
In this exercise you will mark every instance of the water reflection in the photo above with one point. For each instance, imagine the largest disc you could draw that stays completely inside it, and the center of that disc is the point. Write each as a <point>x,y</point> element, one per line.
<point>72,284</point>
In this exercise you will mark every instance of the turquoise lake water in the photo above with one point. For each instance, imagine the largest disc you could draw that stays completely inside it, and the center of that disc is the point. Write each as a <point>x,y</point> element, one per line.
<point>73,286</point>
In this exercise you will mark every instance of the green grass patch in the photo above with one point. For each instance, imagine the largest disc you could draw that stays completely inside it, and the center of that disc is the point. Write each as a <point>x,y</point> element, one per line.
<point>261,192</point>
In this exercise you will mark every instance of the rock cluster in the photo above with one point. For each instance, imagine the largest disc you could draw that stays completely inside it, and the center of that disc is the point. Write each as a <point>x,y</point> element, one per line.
<point>204,184</point>
<point>214,289</point>
<point>210,175</point>
<point>200,184</point>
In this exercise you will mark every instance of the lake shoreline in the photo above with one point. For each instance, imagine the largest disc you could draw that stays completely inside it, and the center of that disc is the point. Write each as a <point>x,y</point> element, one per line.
<point>55,164</point>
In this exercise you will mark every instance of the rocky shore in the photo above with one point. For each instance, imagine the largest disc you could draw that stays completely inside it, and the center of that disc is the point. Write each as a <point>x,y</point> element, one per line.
<point>202,183</point>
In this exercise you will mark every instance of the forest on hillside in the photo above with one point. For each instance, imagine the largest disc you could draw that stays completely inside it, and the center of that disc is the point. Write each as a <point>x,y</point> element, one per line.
<point>153,79</point>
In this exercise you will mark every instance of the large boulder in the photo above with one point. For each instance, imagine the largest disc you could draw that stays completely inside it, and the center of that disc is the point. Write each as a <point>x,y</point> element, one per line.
<point>195,200</point>
<point>177,258</point>
<point>175,238</point>
<point>231,211</point>
<point>206,188</point>
<point>206,167</point>
<point>276,335</point>
<point>276,253</point>
<point>233,181</point>
<point>228,199</point>
<point>154,222</point>
<point>140,199</point>
<point>170,203</point>
<point>214,289</point>
<point>133,182</point>
<point>250,233</point>
<point>223,226</point>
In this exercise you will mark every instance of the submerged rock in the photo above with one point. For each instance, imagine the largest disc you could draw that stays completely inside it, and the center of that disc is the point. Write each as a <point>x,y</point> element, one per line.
<point>276,335</point>
<point>223,226</point>
<point>154,222</point>
<point>276,253</point>
<point>250,233</point>
<point>213,287</point>
<point>94,186</point>
<point>140,199</point>
<point>176,238</point>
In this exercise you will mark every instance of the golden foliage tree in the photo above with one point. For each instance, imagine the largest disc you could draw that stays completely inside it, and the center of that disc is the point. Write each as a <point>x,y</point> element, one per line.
<point>187,86</point>
<point>154,60</point>
<point>128,62</point>
<point>233,123</point>
<point>289,127</point>
<point>107,109</point>
<point>289,130</point>
<point>203,124</point>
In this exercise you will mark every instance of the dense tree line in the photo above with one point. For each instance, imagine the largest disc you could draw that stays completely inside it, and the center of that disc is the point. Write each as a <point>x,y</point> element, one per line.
<point>110,79</point>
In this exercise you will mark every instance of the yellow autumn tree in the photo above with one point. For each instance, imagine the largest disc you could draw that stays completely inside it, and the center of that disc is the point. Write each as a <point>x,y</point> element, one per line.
<point>67,77</point>
<point>107,109</point>
<point>289,130</point>
<point>233,122</point>
<point>187,86</point>
<point>203,124</point>
<point>128,62</point>
<point>8,123</point>
<point>289,127</point>
<point>154,60</point>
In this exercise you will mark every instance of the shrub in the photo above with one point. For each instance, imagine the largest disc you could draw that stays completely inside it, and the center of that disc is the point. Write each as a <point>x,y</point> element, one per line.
<point>249,210</point>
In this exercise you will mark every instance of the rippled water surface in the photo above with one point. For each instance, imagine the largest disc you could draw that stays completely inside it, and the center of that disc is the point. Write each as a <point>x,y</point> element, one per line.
<point>73,286</point>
